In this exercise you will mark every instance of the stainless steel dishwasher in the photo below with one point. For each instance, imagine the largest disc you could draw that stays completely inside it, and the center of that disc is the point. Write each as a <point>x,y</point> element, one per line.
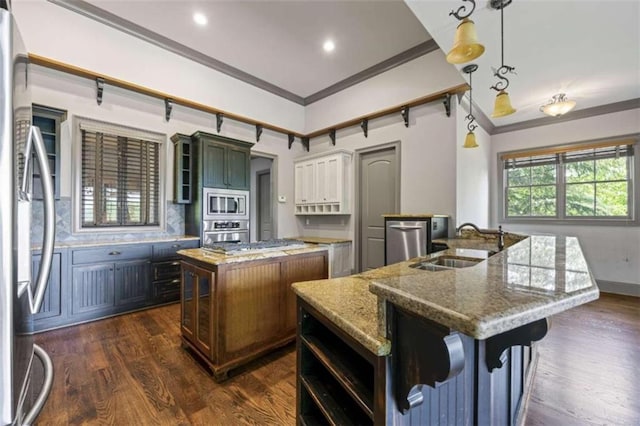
<point>405,240</point>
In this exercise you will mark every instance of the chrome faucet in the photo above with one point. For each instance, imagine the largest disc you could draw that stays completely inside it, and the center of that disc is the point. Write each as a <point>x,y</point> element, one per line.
<point>500,233</point>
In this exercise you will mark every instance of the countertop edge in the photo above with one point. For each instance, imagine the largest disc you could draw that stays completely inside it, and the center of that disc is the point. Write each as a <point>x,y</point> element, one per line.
<point>98,243</point>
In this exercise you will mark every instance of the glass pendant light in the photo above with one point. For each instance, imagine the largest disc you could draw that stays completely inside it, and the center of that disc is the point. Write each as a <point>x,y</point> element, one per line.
<point>502,105</point>
<point>559,105</point>
<point>470,139</point>
<point>465,45</point>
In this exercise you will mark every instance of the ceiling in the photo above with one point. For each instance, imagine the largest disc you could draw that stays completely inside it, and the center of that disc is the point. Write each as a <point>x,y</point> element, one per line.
<point>589,50</point>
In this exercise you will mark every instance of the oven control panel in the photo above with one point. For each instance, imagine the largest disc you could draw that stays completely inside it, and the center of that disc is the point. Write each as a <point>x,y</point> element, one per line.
<point>226,225</point>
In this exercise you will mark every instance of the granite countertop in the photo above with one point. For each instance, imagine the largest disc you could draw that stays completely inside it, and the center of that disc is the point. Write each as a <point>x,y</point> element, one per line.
<point>111,242</point>
<point>213,258</point>
<point>412,215</point>
<point>320,240</point>
<point>532,279</point>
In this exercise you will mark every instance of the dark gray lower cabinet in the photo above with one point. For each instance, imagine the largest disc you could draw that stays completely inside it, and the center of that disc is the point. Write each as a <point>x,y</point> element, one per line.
<point>51,309</point>
<point>95,282</point>
<point>92,288</point>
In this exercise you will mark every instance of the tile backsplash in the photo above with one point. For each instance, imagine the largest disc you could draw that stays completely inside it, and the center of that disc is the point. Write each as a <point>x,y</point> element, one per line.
<point>175,224</point>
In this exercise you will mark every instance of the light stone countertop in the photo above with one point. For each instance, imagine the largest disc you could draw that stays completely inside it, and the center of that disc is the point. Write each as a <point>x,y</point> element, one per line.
<point>320,240</point>
<point>110,242</point>
<point>213,258</point>
<point>533,279</point>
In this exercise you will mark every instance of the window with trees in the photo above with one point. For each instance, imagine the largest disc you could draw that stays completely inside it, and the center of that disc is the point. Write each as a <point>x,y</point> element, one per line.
<point>119,181</point>
<point>573,183</point>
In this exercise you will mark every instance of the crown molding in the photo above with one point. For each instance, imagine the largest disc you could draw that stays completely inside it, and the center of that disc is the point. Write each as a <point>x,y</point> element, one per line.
<point>397,60</point>
<point>574,115</point>
<point>90,11</point>
<point>100,15</point>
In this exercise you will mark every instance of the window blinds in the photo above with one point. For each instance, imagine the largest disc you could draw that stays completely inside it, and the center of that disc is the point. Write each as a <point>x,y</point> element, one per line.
<point>120,180</point>
<point>570,153</point>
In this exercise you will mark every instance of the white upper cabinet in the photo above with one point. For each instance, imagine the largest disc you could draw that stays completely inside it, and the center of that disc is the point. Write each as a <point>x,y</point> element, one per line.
<point>323,184</point>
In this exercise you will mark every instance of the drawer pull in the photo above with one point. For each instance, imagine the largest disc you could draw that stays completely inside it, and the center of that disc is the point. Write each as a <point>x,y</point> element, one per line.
<point>114,253</point>
<point>176,246</point>
<point>176,263</point>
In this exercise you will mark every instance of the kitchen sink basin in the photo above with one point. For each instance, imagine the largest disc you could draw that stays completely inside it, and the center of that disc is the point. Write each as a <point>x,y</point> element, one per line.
<point>445,262</point>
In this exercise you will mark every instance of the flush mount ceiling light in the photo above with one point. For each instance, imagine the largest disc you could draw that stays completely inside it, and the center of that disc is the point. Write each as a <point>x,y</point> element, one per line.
<point>465,43</point>
<point>558,105</point>
<point>502,105</point>
<point>470,139</point>
<point>200,19</point>
<point>329,46</point>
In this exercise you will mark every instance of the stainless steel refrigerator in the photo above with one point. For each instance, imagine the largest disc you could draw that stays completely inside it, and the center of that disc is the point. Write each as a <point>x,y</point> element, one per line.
<point>26,372</point>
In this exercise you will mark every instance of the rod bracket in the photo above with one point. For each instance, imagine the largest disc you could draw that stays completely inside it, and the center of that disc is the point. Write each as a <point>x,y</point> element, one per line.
<point>100,87</point>
<point>364,125</point>
<point>168,106</point>
<point>447,104</point>
<point>405,115</point>
<point>219,119</point>
<point>305,143</point>
<point>332,136</point>
<point>258,132</point>
<point>291,139</point>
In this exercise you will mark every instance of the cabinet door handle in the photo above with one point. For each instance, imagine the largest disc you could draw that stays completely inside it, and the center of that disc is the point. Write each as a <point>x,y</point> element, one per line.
<point>114,253</point>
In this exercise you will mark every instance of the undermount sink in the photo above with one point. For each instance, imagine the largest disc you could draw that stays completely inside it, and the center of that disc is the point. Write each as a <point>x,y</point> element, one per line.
<point>444,262</point>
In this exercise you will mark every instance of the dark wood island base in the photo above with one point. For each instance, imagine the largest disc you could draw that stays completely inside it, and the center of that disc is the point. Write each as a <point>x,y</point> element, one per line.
<point>236,309</point>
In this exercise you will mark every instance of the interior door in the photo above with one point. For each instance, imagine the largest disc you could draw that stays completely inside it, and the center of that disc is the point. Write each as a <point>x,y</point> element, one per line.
<point>379,195</point>
<point>265,220</point>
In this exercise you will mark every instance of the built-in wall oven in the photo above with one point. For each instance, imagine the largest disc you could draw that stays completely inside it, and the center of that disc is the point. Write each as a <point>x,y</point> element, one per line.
<point>225,216</point>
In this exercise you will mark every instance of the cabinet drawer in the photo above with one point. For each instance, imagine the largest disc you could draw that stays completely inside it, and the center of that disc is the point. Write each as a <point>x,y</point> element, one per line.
<point>166,270</point>
<point>168,250</point>
<point>111,254</point>
<point>166,291</point>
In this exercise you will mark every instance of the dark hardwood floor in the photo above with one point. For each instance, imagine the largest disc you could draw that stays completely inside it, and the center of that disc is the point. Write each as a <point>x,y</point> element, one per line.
<point>132,370</point>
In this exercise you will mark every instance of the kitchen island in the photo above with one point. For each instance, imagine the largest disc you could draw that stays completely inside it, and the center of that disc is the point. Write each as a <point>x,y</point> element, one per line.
<point>418,342</point>
<point>238,305</point>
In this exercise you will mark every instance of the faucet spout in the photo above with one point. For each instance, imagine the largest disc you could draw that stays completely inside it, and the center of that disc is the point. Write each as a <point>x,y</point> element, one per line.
<point>500,233</point>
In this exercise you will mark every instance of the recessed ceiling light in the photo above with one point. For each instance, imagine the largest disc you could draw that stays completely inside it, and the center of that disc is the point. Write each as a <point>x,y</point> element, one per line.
<point>329,46</point>
<point>200,19</point>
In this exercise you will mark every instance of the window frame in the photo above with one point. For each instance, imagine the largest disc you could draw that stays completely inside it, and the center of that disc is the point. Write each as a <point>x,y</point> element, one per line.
<point>561,218</point>
<point>124,131</point>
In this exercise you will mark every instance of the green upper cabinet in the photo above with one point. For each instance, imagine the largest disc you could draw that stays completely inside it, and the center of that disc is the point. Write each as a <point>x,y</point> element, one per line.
<point>183,172</point>
<point>238,168</point>
<point>48,120</point>
<point>225,161</point>
<point>214,165</point>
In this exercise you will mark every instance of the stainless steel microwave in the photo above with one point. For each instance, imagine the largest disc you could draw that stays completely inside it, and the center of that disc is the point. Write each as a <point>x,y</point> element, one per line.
<point>225,204</point>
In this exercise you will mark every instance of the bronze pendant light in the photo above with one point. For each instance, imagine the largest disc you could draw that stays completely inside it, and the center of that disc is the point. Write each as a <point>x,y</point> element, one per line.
<point>470,139</point>
<point>502,105</point>
<point>465,44</point>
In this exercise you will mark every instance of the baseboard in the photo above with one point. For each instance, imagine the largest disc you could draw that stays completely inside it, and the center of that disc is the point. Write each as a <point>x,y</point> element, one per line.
<point>627,289</point>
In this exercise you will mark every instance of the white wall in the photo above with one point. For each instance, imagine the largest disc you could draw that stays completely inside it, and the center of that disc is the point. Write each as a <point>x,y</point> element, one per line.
<point>71,38</point>
<point>77,96</point>
<point>422,76</point>
<point>613,253</point>
<point>427,165</point>
<point>472,174</point>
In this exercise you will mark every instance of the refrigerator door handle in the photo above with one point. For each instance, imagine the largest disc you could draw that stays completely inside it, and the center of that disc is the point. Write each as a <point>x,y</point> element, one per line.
<point>46,386</point>
<point>35,299</point>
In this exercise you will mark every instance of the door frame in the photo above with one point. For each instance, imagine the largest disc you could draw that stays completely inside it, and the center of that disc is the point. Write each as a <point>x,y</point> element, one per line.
<point>274,195</point>
<point>395,145</point>
<point>259,174</point>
